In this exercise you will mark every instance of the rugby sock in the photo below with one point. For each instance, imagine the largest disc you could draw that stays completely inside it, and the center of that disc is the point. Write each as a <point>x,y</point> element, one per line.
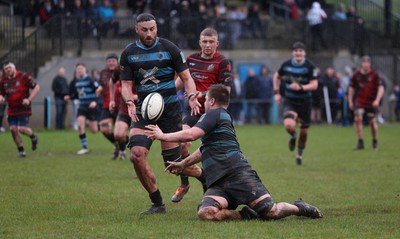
<point>156,198</point>
<point>184,178</point>
<point>202,179</point>
<point>110,137</point>
<point>21,149</point>
<point>121,146</point>
<point>293,134</point>
<point>83,139</point>
<point>300,151</point>
<point>33,136</point>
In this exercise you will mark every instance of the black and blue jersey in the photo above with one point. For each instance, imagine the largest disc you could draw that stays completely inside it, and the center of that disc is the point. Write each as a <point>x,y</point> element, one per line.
<point>301,73</point>
<point>84,89</point>
<point>220,148</point>
<point>153,69</point>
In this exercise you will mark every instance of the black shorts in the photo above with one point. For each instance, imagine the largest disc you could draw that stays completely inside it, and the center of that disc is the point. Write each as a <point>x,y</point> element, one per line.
<point>239,187</point>
<point>18,120</point>
<point>170,121</point>
<point>191,120</point>
<point>90,113</point>
<point>124,118</point>
<point>303,109</point>
<point>106,114</point>
<point>369,112</point>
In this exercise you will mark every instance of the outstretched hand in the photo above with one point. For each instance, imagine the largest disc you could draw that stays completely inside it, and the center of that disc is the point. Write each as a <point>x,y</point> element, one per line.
<point>153,131</point>
<point>174,167</point>
<point>132,111</point>
<point>194,104</point>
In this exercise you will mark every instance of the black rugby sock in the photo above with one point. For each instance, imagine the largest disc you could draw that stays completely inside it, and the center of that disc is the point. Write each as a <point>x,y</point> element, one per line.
<point>156,198</point>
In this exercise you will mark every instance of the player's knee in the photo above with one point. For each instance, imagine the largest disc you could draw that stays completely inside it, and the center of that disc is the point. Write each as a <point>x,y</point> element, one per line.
<point>263,207</point>
<point>173,154</point>
<point>208,213</point>
<point>289,115</point>
<point>120,137</point>
<point>138,154</point>
<point>106,128</point>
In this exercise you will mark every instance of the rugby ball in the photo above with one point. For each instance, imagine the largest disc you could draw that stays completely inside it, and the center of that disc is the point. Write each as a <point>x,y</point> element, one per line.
<point>152,107</point>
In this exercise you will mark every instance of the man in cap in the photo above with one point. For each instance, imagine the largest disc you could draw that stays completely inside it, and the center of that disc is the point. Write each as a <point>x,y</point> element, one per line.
<point>299,78</point>
<point>365,93</point>
<point>19,89</point>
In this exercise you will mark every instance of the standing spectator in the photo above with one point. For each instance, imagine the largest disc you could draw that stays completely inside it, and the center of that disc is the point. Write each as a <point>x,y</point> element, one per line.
<point>344,86</point>
<point>295,13</point>
<point>107,16</point>
<point>396,91</point>
<point>75,102</point>
<point>367,89</point>
<point>84,88</point>
<point>19,89</point>
<point>236,96</point>
<point>315,17</point>
<point>340,13</point>
<point>254,21</point>
<point>46,11</point>
<point>61,89</point>
<point>93,17</point>
<point>264,92</point>
<point>236,19</point>
<point>250,94</point>
<point>300,77</point>
<point>331,82</point>
<point>317,96</point>
<point>360,37</point>
<point>30,12</point>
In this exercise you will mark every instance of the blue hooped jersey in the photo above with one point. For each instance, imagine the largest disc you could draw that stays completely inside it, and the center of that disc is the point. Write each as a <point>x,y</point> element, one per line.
<point>220,148</point>
<point>85,90</point>
<point>301,73</point>
<point>153,68</point>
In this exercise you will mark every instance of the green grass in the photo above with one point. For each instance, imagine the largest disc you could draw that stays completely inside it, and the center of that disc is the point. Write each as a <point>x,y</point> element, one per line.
<point>54,193</point>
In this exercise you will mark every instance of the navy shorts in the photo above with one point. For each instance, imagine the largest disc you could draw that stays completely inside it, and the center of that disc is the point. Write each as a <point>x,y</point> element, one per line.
<point>124,118</point>
<point>18,120</point>
<point>90,113</point>
<point>303,109</point>
<point>239,187</point>
<point>106,114</point>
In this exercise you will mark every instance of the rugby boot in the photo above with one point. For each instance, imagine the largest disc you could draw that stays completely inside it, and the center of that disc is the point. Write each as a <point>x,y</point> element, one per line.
<point>22,154</point>
<point>298,160</point>
<point>116,151</point>
<point>122,155</point>
<point>292,143</point>
<point>35,142</point>
<point>180,193</point>
<point>308,210</point>
<point>360,145</point>
<point>249,214</point>
<point>375,144</point>
<point>154,209</point>
<point>83,151</point>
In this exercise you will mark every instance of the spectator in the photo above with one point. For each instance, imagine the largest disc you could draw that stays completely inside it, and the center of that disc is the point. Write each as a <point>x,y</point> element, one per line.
<point>264,92</point>
<point>185,27</point>
<point>351,13</point>
<point>254,21</point>
<point>317,97</point>
<point>235,105</point>
<point>331,82</point>
<point>62,9</point>
<point>79,14</point>
<point>360,38</point>
<point>344,86</point>
<point>294,9</point>
<point>236,19</point>
<point>107,16</point>
<point>396,92</point>
<point>29,11</point>
<point>250,94</point>
<point>340,13</point>
<point>315,17</point>
<point>46,11</point>
<point>61,89</point>
<point>93,17</point>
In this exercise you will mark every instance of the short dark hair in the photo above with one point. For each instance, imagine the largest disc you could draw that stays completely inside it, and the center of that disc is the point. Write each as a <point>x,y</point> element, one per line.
<point>220,93</point>
<point>298,45</point>
<point>112,56</point>
<point>80,64</point>
<point>209,32</point>
<point>145,17</point>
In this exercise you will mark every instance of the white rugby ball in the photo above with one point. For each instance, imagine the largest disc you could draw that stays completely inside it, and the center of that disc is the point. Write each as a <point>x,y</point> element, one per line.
<point>152,107</point>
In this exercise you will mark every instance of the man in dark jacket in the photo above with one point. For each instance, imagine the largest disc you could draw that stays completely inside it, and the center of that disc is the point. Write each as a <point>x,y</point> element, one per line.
<point>60,88</point>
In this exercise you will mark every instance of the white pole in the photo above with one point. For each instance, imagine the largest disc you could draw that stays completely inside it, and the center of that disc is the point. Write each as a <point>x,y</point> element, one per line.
<point>327,105</point>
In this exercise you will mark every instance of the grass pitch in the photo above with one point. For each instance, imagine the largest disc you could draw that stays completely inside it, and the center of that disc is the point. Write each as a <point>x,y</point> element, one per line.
<point>54,193</point>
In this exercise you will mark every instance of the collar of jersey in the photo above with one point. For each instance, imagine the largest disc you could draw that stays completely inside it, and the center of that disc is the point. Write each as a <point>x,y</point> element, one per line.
<point>147,48</point>
<point>297,64</point>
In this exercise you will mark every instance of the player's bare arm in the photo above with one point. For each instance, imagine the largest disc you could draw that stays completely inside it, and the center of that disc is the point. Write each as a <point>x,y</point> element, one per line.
<point>350,97</point>
<point>111,86</point>
<point>34,92</point>
<point>190,88</point>
<point>178,167</point>
<point>99,90</point>
<point>276,85</point>
<point>191,134</point>
<point>379,96</point>
<point>129,98</point>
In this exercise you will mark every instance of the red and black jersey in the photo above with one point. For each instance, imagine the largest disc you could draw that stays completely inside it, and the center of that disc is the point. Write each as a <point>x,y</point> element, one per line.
<point>207,72</point>
<point>105,76</point>
<point>365,87</point>
<point>16,89</point>
<point>119,102</point>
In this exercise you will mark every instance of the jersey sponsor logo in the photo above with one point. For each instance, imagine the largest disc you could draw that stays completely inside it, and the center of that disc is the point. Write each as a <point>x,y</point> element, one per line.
<point>192,64</point>
<point>18,83</point>
<point>211,67</point>
<point>199,76</point>
<point>183,57</point>
<point>149,75</point>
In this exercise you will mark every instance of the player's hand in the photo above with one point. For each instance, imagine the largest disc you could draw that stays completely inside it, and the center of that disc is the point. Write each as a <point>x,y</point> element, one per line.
<point>132,111</point>
<point>26,102</point>
<point>92,104</point>
<point>174,167</point>
<point>277,98</point>
<point>111,106</point>
<point>351,106</point>
<point>194,104</point>
<point>2,99</point>
<point>375,104</point>
<point>295,86</point>
<point>153,132</point>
